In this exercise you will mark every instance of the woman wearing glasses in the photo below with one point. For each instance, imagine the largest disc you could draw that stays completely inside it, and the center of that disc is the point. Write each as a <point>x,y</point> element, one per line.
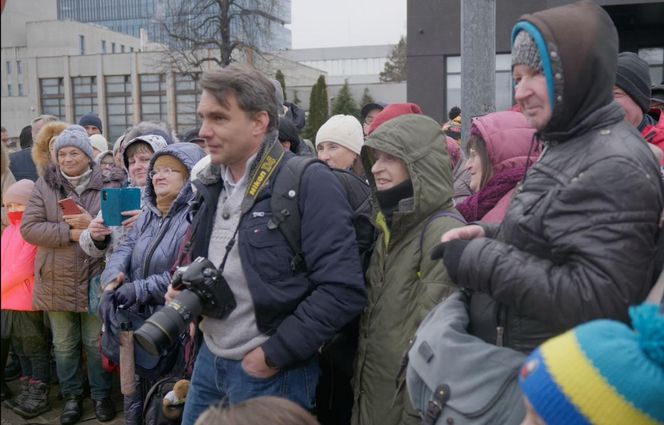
<point>144,259</point>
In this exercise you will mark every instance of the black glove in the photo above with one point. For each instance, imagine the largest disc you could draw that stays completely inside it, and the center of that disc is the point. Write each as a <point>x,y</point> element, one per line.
<point>125,295</point>
<point>451,253</point>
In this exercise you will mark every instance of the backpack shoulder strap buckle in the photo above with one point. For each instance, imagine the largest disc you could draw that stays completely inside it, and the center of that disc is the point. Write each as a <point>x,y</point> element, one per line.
<point>436,405</point>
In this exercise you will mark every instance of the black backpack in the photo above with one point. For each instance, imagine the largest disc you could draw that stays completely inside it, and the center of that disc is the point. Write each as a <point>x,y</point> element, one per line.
<point>286,211</point>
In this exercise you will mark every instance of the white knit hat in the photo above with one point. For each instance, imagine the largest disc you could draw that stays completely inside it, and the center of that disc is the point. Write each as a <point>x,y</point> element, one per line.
<point>99,142</point>
<point>344,130</point>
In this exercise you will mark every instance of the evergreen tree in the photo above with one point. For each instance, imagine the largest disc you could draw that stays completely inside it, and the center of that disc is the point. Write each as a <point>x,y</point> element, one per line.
<point>279,76</point>
<point>395,67</point>
<point>366,97</point>
<point>318,109</point>
<point>296,98</point>
<point>344,102</point>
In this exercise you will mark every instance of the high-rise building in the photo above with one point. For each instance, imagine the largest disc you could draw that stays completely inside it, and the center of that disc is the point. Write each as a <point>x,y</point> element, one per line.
<point>130,16</point>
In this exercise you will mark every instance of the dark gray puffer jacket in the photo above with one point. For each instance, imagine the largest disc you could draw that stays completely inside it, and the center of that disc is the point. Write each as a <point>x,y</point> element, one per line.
<point>151,246</point>
<point>578,240</point>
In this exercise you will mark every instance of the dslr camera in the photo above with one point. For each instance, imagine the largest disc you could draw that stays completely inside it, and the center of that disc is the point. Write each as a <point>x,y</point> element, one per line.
<point>204,291</point>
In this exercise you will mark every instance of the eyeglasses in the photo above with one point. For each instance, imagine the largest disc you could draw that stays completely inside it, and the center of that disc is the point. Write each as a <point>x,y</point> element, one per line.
<point>166,172</point>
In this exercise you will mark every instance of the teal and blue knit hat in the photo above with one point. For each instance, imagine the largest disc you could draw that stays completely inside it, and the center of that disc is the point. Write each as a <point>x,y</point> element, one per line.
<point>601,372</point>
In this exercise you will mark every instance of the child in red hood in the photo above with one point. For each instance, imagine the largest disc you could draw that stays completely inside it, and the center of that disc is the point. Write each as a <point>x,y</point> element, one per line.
<point>21,325</point>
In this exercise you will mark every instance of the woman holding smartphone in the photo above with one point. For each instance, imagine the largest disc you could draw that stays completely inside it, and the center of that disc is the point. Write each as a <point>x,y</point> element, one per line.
<point>62,269</point>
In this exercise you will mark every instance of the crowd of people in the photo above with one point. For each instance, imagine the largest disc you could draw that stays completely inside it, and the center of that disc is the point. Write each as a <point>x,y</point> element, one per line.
<point>405,277</point>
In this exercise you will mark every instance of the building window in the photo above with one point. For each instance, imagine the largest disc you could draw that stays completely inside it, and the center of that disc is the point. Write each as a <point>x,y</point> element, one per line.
<point>103,46</point>
<point>85,96</point>
<point>118,105</point>
<point>187,95</point>
<point>19,67</point>
<point>122,48</point>
<point>153,97</point>
<point>131,49</point>
<point>9,90</point>
<point>503,81</point>
<point>81,44</point>
<point>655,58</point>
<point>52,93</point>
<point>9,68</point>
<point>112,47</point>
<point>20,89</point>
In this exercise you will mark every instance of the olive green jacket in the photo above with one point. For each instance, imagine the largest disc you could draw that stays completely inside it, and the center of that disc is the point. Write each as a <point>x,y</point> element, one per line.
<point>403,282</point>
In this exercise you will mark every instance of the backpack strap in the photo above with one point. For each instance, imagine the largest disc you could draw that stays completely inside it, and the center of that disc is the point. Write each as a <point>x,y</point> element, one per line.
<point>447,213</point>
<point>285,206</point>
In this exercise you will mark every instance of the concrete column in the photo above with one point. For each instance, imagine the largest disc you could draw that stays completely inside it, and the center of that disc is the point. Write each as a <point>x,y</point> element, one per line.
<point>135,89</point>
<point>170,100</point>
<point>69,92</point>
<point>478,61</point>
<point>101,96</point>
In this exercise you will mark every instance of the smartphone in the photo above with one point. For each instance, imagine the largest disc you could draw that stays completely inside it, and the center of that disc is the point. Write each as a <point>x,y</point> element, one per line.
<point>115,201</point>
<point>69,206</point>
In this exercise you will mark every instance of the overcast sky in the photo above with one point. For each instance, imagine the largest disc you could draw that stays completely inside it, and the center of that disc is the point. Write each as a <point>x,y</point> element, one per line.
<point>334,23</point>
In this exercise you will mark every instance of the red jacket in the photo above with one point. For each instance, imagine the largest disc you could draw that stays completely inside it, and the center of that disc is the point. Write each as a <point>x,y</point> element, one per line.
<point>655,133</point>
<point>18,270</point>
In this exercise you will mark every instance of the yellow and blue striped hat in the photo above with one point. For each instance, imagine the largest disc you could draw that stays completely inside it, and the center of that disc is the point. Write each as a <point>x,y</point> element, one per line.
<point>601,372</point>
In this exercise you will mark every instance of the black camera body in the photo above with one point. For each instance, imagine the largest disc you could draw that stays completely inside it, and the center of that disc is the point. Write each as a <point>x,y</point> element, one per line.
<point>203,279</point>
<point>204,291</point>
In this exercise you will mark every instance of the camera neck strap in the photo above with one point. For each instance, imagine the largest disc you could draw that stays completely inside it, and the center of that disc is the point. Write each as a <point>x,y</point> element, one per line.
<point>260,177</point>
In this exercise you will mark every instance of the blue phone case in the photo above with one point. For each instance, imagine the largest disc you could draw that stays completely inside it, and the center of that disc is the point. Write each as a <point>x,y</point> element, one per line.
<point>116,201</point>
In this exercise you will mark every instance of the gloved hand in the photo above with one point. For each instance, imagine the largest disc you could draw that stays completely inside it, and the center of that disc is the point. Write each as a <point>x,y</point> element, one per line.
<point>125,295</point>
<point>451,253</point>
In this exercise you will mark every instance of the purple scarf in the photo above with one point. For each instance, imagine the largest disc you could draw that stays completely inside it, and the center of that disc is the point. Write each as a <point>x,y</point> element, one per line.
<point>474,207</point>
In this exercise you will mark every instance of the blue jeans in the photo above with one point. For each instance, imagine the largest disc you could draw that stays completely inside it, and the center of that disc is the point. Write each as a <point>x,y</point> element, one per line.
<point>69,331</point>
<point>217,380</point>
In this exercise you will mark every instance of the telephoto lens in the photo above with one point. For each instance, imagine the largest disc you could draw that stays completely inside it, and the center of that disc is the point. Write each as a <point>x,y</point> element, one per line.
<point>162,329</point>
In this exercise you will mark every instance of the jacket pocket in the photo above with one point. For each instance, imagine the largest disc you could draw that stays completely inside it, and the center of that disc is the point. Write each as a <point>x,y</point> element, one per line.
<point>270,254</point>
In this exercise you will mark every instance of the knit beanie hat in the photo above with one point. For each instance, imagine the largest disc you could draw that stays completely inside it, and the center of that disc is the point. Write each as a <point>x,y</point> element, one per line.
<point>90,119</point>
<point>169,161</point>
<point>525,52</point>
<point>393,110</point>
<point>633,77</point>
<point>99,142</point>
<point>344,130</point>
<point>279,93</point>
<point>601,372</point>
<point>19,192</point>
<point>75,136</point>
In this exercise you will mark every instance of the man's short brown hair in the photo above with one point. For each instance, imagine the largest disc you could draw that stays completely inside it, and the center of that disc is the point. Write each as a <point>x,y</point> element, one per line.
<point>252,89</point>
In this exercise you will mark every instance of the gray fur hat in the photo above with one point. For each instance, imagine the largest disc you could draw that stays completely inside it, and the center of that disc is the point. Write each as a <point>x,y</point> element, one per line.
<point>75,136</point>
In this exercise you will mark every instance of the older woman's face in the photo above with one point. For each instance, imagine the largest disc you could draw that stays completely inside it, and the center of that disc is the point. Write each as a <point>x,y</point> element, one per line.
<point>167,181</point>
<point>532,95</point>
<point>73,161</point>
<point>335,155</point>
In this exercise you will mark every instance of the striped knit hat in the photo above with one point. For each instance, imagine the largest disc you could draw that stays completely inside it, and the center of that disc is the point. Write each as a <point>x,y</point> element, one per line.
<point>601,372</point>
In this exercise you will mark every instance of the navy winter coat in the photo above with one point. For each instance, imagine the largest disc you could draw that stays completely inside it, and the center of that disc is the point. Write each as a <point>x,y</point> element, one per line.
<point>300,311</point>
<point>151,246</point>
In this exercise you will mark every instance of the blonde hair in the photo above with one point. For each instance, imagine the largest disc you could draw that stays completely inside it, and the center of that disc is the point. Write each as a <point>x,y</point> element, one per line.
<point>258,411</point>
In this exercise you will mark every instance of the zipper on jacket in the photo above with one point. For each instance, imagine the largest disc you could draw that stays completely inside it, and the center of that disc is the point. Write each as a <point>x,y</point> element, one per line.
<point>500,328</point>
<point>154,245</point>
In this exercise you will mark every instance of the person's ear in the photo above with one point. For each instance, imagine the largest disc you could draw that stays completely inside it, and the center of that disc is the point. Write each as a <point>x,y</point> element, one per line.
<point>261,122</point>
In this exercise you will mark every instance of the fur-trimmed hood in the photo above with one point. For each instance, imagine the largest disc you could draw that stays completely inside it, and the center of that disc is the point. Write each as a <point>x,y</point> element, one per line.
<point>4,164</point>
<point>40,153</point>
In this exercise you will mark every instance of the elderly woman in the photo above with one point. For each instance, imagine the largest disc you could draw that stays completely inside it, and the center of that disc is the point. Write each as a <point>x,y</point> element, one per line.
<point>62,269</point>
<point>501,148</point>
<point>144,259</point>
<point>339,142</point>
<point>578,241</point>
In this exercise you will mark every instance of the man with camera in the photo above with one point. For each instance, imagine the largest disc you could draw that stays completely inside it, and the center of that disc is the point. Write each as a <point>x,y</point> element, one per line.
<point>281,310</point>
